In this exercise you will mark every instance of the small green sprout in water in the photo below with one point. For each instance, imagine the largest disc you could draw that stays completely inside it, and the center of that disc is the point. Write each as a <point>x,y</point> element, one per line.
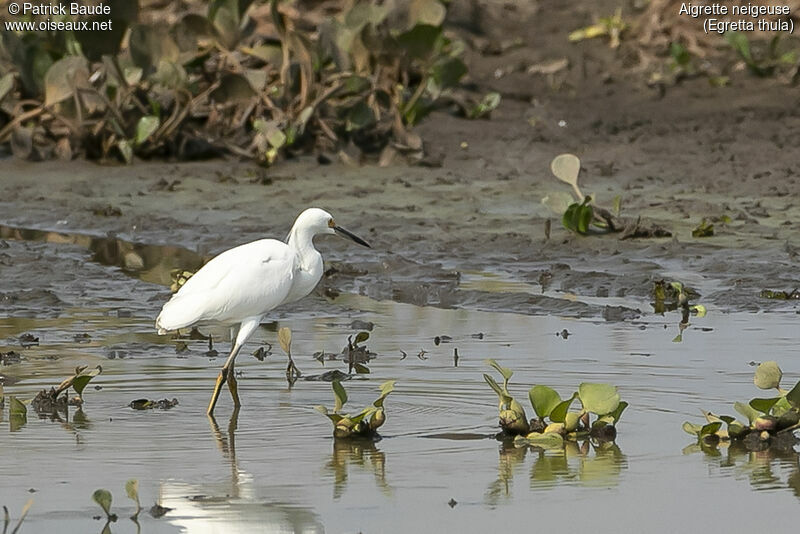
<point>364,424</point>
<point>554,421</point>
<point>7,517</point>
<point>132,489</point>
<point>512,416</point>
<point>103,498</point>
<point>770,421</point>
<point>285,340</point>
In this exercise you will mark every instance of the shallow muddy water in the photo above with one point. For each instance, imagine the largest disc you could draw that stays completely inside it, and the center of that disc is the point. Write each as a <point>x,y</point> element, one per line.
<point>275,468</point>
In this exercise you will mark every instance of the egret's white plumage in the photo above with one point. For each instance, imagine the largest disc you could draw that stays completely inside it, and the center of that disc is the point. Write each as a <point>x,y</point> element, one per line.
<point>243,284</point>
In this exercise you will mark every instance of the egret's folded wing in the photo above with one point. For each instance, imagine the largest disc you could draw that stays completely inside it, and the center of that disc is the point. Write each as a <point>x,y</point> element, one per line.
<point>245,281</point>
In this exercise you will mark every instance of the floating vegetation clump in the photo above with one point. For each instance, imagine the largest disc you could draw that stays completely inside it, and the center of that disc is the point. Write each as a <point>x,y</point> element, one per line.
<point>675,296</point>
<point>231,77</point>
<point>771,421</point>
<point>147,404</point>
<point>582,215</point>
<point>600,411</point>
<point>364,424</point>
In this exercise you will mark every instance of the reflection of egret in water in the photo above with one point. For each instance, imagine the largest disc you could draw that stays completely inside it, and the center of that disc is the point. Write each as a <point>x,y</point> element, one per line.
<point>585,463</point>
<point>233,506</point>
<point>771,469</point>
<point>361,452</point>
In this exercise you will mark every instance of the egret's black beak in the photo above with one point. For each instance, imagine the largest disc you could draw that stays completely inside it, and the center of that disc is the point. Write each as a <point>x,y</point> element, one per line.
<point>349,235</point>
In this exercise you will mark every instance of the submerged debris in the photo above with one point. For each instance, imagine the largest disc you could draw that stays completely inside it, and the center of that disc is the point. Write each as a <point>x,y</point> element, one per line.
<point>158,511</point>
<point>261,353</point>
<point>28,340</point>
<point>146,404</point>
<point>7,358</point>
<point>780,295</point>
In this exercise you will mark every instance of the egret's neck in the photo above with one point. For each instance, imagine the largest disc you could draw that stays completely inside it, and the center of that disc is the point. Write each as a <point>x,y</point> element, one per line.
<point>302,241</point>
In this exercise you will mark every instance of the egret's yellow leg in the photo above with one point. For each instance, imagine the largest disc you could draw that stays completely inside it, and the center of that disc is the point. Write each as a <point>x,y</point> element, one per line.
<point>232,386</point>
<point>247,327</point>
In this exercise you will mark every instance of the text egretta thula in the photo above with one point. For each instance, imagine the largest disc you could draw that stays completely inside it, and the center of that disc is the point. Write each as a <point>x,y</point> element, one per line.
<point>243,284</point>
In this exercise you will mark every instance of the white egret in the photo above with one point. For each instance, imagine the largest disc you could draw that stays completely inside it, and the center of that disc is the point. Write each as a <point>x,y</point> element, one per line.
<point>243,284</point>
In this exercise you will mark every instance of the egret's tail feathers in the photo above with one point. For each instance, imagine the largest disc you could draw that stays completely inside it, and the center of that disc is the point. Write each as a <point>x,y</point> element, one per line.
<point>180,312</point>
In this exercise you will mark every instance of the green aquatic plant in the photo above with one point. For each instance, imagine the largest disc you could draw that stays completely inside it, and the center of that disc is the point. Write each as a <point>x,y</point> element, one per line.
<point>601,409</point>
<point>103,498</point>
<point>213,82</point>
<point>365,423</point>
<point>512,416</point>
<point>554,420</point>
<point>581,214</point>
<point>770,421</point>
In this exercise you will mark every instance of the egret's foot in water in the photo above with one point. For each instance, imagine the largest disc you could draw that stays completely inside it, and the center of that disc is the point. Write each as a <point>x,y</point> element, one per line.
<point>233,386</point>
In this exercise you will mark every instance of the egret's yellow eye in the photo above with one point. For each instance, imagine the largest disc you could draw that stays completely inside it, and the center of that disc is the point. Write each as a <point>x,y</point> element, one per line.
<point>331,224</point>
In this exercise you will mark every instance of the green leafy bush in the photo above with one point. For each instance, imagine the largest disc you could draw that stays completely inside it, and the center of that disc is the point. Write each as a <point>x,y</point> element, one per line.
<point>210,83</point>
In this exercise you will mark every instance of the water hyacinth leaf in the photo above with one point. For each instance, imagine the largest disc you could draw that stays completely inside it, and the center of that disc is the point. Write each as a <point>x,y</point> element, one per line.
<point>386,388</point>
<point>700,309</point>
<point>190,30</point>
<point>233,88</point>
<point>750,413</point>
<point>16,407</point>
<point>430,12</point>
<point>257,79</point>
<point>420,41</point>
<point>768,375</point>
<point>600,399</point>
<point>361,337</point>
<point>150,43</point>
<point>506,373</point>
<point>550,440</point>
<point>727,418</point>
<point>334,417</point>
<point>285,339</point>
<point>364,13</point>
<point>103,498</point>
<point>132,490</point>
<point>559,413</point>
<point>125,150</point>
<point>543,399</point>
<point>63,77</point>
<point>793,397</point>
<point>764,405</point>
<point>710,417</point>
<point>710,428</point>
<point>82,379</point>
<point>359,116</point>
<point>558,202</point>
<point>494,385</point>
<point>340,394</point>
<point>448,72</point>
<point>146,127</point>
<point>361,369</point>
<point>566,168</point>
<point>616,414</point>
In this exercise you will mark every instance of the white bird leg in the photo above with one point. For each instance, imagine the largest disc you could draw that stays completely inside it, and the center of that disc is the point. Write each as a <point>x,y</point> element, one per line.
<point>227,374</point>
